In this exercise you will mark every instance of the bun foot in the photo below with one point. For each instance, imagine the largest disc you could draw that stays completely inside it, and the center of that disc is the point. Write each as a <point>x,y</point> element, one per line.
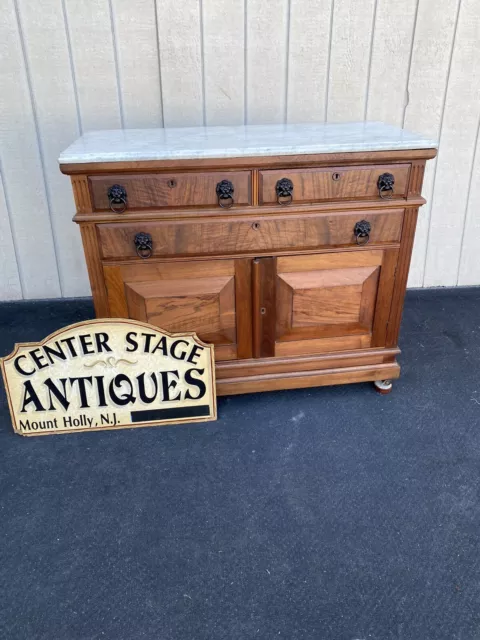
<point>383,386</point>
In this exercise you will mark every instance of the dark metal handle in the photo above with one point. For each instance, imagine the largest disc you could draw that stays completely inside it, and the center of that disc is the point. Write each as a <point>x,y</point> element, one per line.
<point>225,191</point>
<point>385,185</point>
<point>284,189</point>
<point>117,195</point>
<point>362,232</point>
<point>143,244</point>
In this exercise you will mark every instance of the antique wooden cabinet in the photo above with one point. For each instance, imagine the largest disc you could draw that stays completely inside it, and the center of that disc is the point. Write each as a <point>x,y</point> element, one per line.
<point>287,247</point>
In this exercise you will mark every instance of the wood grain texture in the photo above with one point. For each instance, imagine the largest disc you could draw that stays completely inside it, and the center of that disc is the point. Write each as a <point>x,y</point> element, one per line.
<point>22,169</point>
<point>179,37</point>
<point>243,307</point>
<point>322,306</point>
<point>95,271</point>
<point>390,61</point>
<point>333,183</point>
<point>308,60</point>
<point>403,265</point>
<point>431,54</point>
<point>81,194</point>
<point>415,182</point>
<point>322,345</point>
<point>171,189</point>
<point>115,290</point>
<point>298,380</point>
<point>263,366</point>
<point>224,61</point>
<point>264,307</point>
<point>266,56</point>
<point>179,297</point>
<point>349,62</point>
<point>241,235</point>
<point>134,25</point>
<point>386,287</point>
<point>457,147</point>
<point>94,65</point>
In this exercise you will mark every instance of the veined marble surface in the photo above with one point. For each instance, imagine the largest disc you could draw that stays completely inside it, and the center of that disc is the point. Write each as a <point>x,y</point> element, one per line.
<point>234,142</point>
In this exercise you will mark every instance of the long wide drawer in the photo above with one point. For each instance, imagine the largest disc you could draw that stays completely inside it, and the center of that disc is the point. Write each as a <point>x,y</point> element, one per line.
<point>333,183</point>
<point>234,235</point>
<point>151,190</point>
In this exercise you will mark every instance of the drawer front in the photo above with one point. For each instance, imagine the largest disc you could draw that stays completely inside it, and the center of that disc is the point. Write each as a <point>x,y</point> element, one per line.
<point>333,183</point>
<point>246,236</point>
<point>152,190</point>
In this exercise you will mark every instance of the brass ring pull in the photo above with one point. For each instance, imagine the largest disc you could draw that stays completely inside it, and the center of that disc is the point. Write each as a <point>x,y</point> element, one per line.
<point>284,189</point>
<point>362,231</point>
<point>224,192</point>
<point>385,186</point>
<point>117,195</point>
<point>143,245</point>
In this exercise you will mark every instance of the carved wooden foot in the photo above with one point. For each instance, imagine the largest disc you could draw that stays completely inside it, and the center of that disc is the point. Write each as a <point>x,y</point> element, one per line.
<point>383,386</point>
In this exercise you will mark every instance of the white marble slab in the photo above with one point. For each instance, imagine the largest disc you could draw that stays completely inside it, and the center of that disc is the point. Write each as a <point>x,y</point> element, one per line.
<point>234,142</point>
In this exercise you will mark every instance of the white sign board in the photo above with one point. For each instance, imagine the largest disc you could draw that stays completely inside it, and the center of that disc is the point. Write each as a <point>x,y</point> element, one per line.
<point>109,374</point>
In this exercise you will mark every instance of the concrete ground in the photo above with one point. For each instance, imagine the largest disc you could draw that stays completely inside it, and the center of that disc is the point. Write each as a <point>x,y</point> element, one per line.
<point>318,514</point>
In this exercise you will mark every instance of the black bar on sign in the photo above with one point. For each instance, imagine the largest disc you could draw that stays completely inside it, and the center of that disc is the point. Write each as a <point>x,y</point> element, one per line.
<point>200,411</point>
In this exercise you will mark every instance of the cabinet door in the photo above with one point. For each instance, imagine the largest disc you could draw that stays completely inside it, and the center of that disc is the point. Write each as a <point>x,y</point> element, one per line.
<point>211,297</point>
<point>319,303</point>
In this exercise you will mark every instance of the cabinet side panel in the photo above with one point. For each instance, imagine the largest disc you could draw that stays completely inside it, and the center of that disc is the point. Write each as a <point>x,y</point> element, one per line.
<point>95,271</point>
<point>403,265</point>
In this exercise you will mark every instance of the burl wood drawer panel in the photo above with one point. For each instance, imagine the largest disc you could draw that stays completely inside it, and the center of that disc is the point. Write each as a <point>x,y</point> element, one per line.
<point>151,190</point>
<point>249,235</point>
<point>333,183</point>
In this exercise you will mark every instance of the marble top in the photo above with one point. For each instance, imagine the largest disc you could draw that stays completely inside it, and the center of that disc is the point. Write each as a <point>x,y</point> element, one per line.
<point>120,145</point>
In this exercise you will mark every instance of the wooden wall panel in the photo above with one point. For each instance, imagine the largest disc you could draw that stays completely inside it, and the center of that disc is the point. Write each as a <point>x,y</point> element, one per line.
<point>180,41</point>
<point>390,64</point>
<point>22,168</point>
<point>224,61</point>
<point>429,69</point>
<point>350,59</point>
<point>458,138</point>
<point>266,73</point>
<point>46,50</point>
<point>308,60</point>
<point>136,44</point>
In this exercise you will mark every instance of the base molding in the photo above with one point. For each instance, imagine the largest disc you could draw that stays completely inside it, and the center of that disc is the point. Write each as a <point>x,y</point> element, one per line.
<point>270,374</point>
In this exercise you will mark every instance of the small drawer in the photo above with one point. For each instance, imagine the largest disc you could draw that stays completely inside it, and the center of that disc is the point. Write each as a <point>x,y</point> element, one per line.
<point>249,235</point>
<point>126,192</point>
<point>333,183</point>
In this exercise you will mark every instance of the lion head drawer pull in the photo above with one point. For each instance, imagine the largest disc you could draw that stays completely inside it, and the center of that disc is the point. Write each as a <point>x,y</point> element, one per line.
<point>225,191</point>
<point>362,232</point>
<point>117,198</point>
<point>385,185</point>
<point>144,244</point>
<point>284,189</point>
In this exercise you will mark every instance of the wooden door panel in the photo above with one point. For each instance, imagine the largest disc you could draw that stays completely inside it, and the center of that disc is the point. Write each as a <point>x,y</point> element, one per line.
<point>170,296</point>
<point>330,301</point>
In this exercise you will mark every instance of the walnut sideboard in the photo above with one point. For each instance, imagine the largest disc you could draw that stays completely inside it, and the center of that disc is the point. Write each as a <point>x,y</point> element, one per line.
<point>286,246</point>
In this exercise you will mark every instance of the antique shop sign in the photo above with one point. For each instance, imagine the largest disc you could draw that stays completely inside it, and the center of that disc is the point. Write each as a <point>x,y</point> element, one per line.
<point>108,374</point>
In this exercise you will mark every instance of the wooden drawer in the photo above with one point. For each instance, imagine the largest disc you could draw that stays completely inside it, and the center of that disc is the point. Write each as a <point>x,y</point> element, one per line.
<point>333,183</point>
<point>152,190</point>
<point>247,235</point>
